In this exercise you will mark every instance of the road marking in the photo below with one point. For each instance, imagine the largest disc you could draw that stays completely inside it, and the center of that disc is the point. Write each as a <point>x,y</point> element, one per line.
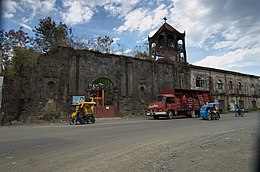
<point>221,132</point>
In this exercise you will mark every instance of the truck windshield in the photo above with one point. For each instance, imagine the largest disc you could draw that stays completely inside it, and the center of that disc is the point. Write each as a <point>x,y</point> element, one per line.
<point>159,98</point>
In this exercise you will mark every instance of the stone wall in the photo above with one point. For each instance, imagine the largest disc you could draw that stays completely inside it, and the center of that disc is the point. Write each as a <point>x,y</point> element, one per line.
<point>67,72</point>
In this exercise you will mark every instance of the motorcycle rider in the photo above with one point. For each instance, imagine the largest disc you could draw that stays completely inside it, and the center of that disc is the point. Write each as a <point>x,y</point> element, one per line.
<point>239,110</point>
<point>213,110</point>
<point>81,112</point>
<point>89,111</point>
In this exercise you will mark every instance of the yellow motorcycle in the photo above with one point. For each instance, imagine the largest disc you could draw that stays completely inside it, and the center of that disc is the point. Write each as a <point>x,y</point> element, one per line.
<point>84,114</point>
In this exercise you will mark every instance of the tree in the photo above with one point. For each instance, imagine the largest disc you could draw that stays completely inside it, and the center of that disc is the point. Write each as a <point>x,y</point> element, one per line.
<point>19,59</point>
<point>141,52</point>
<point>10,40</point>
<point>101,44</point>
<point>18,83</point>
<point>24,58</point>
<point>49,35</point>
<point>79,43</point>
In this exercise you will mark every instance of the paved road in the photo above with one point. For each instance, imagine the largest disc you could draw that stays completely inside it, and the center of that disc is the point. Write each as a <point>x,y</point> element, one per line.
<point>64,148</point>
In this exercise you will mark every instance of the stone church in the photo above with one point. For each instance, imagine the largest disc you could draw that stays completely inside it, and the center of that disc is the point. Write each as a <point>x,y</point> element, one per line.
<point>123,85</point>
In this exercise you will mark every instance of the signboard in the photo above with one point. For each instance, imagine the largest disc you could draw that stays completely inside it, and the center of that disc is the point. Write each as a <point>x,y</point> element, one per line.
<point>76,100</point>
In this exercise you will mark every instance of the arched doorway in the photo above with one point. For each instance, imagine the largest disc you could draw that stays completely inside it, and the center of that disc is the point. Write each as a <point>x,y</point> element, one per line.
<point>104,95</point>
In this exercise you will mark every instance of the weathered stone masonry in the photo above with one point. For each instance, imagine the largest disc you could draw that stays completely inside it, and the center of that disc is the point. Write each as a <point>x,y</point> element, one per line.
<point>67,72</point>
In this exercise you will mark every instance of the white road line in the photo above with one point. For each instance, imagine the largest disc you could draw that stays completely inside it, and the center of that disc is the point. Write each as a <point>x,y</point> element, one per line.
<point>221,132</point>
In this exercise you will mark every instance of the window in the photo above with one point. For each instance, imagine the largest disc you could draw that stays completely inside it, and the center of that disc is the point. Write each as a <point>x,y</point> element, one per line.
<point>230,87</point>
<point>170,100</point>
<point>200,82</point>
<point>170,40</point>
<point>159,98</point>
<point>252,89</point>
<point>220,84</point>
<point>239,87</point>
<point>182,59</point>
<point>181,76</point>
<point>180,44</point>
<point>161,41</point>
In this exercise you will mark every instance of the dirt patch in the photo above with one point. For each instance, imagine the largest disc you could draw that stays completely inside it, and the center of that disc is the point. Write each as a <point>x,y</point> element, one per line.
<point>230,151</point>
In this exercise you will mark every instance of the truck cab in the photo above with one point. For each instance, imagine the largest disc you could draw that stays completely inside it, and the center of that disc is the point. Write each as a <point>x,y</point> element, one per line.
<point>163,106</point>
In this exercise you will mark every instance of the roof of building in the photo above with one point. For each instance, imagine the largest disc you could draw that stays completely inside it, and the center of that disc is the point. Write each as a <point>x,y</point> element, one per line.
<point>167,27</point>
<point>221,70</point>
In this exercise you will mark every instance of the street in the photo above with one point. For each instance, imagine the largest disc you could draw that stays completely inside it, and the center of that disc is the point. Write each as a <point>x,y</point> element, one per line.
<point>133,145</point>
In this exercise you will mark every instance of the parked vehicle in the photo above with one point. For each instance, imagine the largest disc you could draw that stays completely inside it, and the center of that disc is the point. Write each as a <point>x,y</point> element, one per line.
<point>239,112</point>
<point>84,114</point>
<point>177,102</point>
<point>210,111</point>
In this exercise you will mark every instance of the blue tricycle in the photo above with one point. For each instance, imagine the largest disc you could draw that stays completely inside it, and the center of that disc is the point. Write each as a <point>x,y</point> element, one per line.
<point>210,111</point>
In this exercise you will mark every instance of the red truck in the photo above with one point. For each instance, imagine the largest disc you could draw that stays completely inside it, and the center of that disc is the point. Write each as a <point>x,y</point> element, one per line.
<point>170,103</point>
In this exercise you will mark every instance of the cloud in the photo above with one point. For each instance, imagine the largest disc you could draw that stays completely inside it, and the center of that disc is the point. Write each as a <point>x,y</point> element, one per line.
<point>25,26</point>
<point>131,23</point>
<point>227,29</point>
<point>143,19</point>
<point>120,7</point>
<point>127,51</point>
<point>116,39</point>
<point>124,52</point>
<point>237,59</point>
<point>9,8</point>
<point>81,11</point>
<point>48,5</point>
<point>113,8</point>
<point>36,7</point>
<point>227,60</point>
<point>78,12</point>
<point>191,16</point>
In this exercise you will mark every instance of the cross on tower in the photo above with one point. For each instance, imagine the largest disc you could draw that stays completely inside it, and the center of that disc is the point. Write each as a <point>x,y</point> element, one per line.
<point>165,19</point>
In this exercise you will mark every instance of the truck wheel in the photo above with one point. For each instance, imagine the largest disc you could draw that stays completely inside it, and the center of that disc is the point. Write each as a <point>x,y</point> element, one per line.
<point>155,117</point>
<point>170,114</point>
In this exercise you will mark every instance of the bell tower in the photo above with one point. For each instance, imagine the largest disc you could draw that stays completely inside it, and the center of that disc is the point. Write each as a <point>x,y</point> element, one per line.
<point>167,43</point>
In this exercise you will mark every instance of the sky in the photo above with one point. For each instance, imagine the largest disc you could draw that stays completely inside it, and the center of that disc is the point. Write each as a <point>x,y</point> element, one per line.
<point>222,34</point>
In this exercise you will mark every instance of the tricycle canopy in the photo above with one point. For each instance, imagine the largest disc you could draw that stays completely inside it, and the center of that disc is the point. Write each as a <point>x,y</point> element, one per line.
<point>87,103</point>
<point>204,109</point>
<point>209,105</point>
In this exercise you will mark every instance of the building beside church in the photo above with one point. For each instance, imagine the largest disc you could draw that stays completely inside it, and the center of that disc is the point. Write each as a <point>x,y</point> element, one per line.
<point>127,84</point>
